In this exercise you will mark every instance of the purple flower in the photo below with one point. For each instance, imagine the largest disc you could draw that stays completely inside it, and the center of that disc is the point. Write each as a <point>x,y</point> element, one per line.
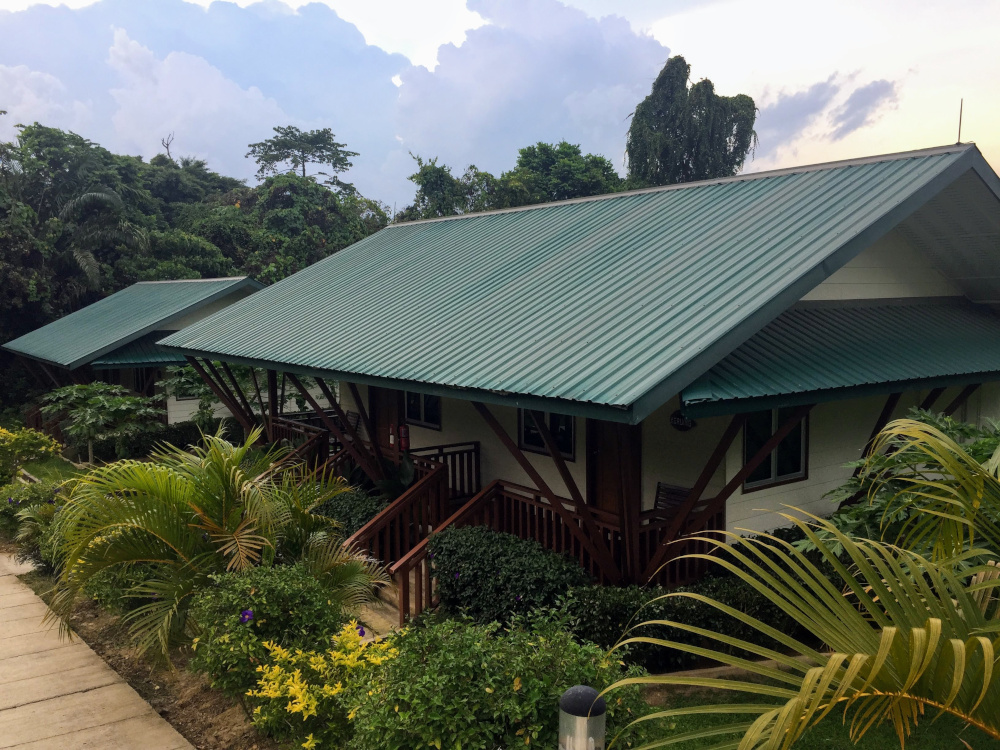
<point>430,556</point>
<point>361,631</point>
<point>456,576</point>
<point>246,616</point>
<point>10,500</point>
<point>517,598</point>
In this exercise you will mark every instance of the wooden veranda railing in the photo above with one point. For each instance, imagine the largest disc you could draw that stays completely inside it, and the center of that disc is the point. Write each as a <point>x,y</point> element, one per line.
<point>309,444</point>
<point>462,460</point>
<point>410,518</point>
<point>514,509</point>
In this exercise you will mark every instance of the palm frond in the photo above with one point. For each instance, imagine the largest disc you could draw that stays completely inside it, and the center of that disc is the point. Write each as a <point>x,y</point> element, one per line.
<point>905,635</point>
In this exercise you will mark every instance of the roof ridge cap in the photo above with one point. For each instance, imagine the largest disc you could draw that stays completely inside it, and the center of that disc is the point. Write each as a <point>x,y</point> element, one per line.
<point>802,169</point>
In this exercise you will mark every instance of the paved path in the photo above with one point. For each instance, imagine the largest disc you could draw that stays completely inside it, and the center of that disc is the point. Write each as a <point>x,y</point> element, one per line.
<point>57,693</point>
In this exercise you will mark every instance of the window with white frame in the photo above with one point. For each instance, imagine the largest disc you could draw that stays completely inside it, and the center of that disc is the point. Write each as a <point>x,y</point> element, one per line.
<point>788,462</point>
<point>423,409</point>
<point>561,427</point>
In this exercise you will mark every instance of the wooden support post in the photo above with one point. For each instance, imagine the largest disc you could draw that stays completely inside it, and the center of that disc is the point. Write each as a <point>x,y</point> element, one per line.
<point>369,427</point>
<point>630,495</point>
<point>880,423</point>
<point>357,451</point>
<point>281,401</point>
<point>713,507</point>
<point>588,534</point>
<point>272,402</point>
<point>960,399</point>
<point>52,377</point>
<point>221,394</point>
<point>932,397</point>
<point>691,501</point>
<point>256,388</point>
<point>351,432</point>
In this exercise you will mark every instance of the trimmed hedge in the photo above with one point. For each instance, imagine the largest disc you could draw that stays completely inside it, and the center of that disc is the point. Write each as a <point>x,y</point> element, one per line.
<point>284,604</point>
<point>491,576</point>
<point>181,434</point>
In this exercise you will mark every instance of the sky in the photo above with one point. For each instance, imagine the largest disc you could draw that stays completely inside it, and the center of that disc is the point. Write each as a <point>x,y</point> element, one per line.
<point>472,81</point>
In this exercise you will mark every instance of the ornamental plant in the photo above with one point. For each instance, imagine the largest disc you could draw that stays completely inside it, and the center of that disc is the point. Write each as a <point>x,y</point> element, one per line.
<point>238,613</point>
<point>18,447</point>
<point>457,684</point>
<point>301,695</point>
<point>16,497</point>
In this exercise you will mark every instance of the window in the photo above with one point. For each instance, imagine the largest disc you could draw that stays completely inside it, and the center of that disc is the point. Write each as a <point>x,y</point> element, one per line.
<point>787,462</point>
<point>423,410</point>
<point>561,427</point>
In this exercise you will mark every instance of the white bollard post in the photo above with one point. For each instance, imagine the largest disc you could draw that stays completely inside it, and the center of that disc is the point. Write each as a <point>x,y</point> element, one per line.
<point>582,719</point>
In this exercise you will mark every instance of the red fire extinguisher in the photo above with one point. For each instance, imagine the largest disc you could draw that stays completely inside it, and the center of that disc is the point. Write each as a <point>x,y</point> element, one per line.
<point>404,437</point>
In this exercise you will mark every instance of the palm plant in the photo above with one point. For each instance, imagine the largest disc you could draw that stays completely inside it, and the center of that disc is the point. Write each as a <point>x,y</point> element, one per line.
<point>906,633</point>
<point>191,514</point>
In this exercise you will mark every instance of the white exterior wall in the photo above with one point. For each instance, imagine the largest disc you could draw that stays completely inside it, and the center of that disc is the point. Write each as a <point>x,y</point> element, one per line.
<point>182,410</point>
<point>461,423</point>
<point>890,268</point>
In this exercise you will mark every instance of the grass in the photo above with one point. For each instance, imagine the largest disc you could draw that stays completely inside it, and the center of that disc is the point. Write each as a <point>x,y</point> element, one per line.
<point>52,469</point>
<point>947,733</point>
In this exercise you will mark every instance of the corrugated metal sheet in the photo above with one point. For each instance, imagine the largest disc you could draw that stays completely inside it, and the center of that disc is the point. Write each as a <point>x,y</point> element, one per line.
<point>86,334</point>
<point>618,301</point>
<point>812,350</point>
<point>142,352</point>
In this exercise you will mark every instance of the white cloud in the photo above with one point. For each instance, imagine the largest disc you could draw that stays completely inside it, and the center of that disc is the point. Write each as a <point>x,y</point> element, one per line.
<point>30,95</point>
<point>185,95</point>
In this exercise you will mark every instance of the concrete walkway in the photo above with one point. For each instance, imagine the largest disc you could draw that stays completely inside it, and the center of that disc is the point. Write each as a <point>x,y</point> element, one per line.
<point>57,693</point>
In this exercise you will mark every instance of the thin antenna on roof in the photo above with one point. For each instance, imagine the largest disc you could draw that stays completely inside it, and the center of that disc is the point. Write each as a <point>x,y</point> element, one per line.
<point>961,102</point>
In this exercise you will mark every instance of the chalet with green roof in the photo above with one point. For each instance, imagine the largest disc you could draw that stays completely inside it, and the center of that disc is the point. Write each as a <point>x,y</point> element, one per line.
<point>609,374</point>
<point>115,338</point>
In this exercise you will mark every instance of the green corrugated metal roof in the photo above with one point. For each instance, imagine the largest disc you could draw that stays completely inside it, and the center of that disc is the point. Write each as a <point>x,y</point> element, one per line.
<point>114,321</point>
<point>142,352</point>
<point>605,306</point>
<point>813,353</point>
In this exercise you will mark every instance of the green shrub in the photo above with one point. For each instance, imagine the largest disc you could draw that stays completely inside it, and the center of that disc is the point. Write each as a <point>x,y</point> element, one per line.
<point>112,588</point>
<point>301,695</point>
<point>352,509</point>
<point>37,533</point>
<point>17,447</point>
<point>603,614</point>
<point>456,684</point>
<point>181,434</point>
<point>284,604</point>
<point>16,497</point>
<point>492,576</point>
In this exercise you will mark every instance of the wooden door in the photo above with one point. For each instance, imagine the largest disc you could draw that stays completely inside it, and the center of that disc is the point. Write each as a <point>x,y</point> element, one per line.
<point>385,407</point>
<point>614,465</point>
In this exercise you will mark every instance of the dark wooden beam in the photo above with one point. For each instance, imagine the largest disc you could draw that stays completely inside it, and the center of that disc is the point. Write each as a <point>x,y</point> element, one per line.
<point>52,377</point>
<point>694,496</point>
<point>272,402</point>
<point>716,503</point>
<point>360,455</point>
<point>587,535</point>
<point>369,427</point>
<point>256,388</point>
<point>351,432</point>
<point>281,401</point>
<point>221,394</point>
<point>932,397</point>
<point>883,419</point>
<point>960,399</point>
<point>238,390</point>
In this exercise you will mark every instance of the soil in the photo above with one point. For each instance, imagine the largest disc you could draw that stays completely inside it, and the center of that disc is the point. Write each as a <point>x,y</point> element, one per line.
<point>205,717</point>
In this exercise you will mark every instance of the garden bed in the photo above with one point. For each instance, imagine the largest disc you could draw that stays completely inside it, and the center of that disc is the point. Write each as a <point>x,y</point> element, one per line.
<point>205,717</point>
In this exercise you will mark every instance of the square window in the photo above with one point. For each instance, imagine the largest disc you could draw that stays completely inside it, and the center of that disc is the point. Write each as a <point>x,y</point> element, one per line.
<point>561,427</point>
<point>423,410</point>
<point>787,462</point>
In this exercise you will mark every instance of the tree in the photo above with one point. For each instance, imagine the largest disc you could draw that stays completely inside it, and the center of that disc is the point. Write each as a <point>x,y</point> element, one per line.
<point>291,149</point>
<point>546,173</point>
<point>904,633</point>
<point>189,515</point>
<point>681,134</point>
<point>99,411</point>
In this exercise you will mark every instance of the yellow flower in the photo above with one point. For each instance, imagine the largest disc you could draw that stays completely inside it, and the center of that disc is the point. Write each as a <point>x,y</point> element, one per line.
<point>310,742</point>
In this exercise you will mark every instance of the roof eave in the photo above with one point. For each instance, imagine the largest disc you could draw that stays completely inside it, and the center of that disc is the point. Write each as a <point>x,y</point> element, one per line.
<point>585,409</point>
<point>718,408</point>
